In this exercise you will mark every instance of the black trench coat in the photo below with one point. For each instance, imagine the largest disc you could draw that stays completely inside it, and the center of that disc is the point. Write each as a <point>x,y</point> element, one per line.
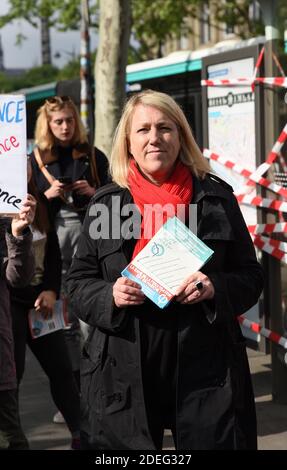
<point>215,403</point>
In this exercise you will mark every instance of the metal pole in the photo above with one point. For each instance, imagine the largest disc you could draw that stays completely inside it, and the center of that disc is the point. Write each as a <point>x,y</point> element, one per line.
<point>273,302</point>
<point>85,70</point>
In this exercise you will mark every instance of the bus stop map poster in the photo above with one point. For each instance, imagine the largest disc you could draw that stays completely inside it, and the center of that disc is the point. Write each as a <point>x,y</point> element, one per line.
<point>231,129</point>
<point>13,159</point>
<point>231,123</point>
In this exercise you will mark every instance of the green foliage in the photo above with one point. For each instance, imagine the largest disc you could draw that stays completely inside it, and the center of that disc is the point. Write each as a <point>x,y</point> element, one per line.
<point>156,21</point>
<point>70,71</point>
<point>235,13</point>
<point>39,75</point>
<point>29,10</point>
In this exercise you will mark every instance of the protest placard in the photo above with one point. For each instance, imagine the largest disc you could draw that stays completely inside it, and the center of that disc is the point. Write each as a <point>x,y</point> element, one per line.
<point>13,160</point>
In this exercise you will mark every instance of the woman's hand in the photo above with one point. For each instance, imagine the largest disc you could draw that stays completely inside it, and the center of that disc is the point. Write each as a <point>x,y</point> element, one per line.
<point>45,303</point>
<point>25,216</point>
<point>82,187</point>
<point>189,293</point>
<point>127,292</point>
<point>56,190</point>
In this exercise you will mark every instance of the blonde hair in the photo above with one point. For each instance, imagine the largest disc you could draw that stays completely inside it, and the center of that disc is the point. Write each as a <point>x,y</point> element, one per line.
<point>44,138</point>
<point>190,154</point>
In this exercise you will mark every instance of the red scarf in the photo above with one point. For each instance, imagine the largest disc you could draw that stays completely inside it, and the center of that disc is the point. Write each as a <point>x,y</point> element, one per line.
<point>176,190</point>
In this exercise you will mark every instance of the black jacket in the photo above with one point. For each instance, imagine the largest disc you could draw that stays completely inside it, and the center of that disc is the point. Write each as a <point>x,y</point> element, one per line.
<point>17,268</point>
<point>80,168</point>
<point>215,406</point>
<point>51,275</point>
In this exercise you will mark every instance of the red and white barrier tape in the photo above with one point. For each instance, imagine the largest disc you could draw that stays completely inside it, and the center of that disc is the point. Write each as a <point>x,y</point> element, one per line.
<point>270,243</point>
<point>275,337</point>
<point>246,173</point>
<point>280,227</point>
<point>263,243</point>
<point>275,58</point>
<point>257,65</point>
<point>275,152</point>
<point>277,81</point>
<point>228,82</point>
<point>258,201</point>
<point>258,62</point>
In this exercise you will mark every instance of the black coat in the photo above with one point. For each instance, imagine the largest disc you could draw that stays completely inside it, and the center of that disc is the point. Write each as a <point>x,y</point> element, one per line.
<point>215,403</point>
<point>51,275</point>
<point>78,169</point>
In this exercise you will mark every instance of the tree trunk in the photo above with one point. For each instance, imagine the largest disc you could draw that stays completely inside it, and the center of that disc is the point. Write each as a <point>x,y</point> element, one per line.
<point>110,68</point>
<point>45,41</point>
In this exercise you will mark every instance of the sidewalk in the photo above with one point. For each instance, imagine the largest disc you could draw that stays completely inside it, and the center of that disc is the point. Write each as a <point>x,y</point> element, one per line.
<point>271,417</point>
<point>37,409</point>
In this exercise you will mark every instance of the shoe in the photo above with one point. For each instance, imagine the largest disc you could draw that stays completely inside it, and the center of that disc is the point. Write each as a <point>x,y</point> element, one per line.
<point>59,418</point>
<point>76,443</point>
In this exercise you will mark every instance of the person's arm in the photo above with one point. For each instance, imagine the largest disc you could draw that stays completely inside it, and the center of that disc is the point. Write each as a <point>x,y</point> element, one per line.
<point>20,257</point>
<point>52,264</point>
<point>51,283</point>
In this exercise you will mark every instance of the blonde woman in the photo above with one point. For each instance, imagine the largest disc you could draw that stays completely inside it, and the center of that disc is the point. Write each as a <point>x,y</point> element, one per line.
<point>68,172</point>
<point>184,367</point>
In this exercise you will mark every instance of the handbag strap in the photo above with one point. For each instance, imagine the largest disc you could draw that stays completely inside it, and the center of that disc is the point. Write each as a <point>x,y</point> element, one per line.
<point>50,178</point>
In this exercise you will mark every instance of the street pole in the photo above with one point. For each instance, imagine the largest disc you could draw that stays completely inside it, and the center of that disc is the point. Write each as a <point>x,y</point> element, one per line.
<point>85,71</point>
<point>273,300</point>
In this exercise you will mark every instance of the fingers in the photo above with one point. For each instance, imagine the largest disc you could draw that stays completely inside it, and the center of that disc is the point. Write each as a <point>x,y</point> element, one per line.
<point>44,305</point>
<point>28,209</point>
<point>127,292</point>
<point>83,187</point>
<point>196,288</point>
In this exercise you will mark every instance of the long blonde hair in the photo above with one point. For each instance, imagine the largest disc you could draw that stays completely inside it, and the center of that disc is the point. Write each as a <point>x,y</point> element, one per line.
<point>190,154</point>
<point>44,138</point>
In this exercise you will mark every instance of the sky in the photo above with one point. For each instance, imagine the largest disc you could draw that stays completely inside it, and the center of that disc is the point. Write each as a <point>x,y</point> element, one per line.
<point>29,53</point>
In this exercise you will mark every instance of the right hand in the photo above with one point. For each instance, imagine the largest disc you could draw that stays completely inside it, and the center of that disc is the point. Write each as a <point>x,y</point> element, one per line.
<point>127,292</point>
<point>25,216</point>
<point>45,303</point>
<point>56,190</point>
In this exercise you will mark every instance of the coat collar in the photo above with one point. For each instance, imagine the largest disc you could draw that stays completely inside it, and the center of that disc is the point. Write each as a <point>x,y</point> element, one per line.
<point>52,155</point>
<point>211,185</point>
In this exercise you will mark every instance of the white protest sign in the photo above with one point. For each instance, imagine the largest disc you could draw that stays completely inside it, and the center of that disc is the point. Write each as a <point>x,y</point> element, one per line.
<point>13,159</point>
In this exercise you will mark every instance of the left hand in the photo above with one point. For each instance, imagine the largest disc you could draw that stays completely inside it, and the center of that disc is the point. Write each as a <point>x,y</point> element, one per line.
<point>45,303</point>
<point>188,293</point>
<point>82,187</point>
<point>25,216</point>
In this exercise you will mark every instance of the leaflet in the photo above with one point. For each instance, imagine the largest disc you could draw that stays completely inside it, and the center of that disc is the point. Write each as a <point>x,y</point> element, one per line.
<point>173,254</point>
<point>40,326</point>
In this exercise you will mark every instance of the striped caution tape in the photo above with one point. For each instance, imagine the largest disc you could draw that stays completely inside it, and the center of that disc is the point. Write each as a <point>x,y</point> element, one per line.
<point>276,60</point>
<point>258,201</point>
<point>270,243</point>
<point>271,335</point>
<point>264,244</point>
<point>277,146</point>
<point>275,81</point>
<point>246,173</point>
<point>275,152</point>
<point>258,62</point>
<point>280,227</point>
<point>257,65</point>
